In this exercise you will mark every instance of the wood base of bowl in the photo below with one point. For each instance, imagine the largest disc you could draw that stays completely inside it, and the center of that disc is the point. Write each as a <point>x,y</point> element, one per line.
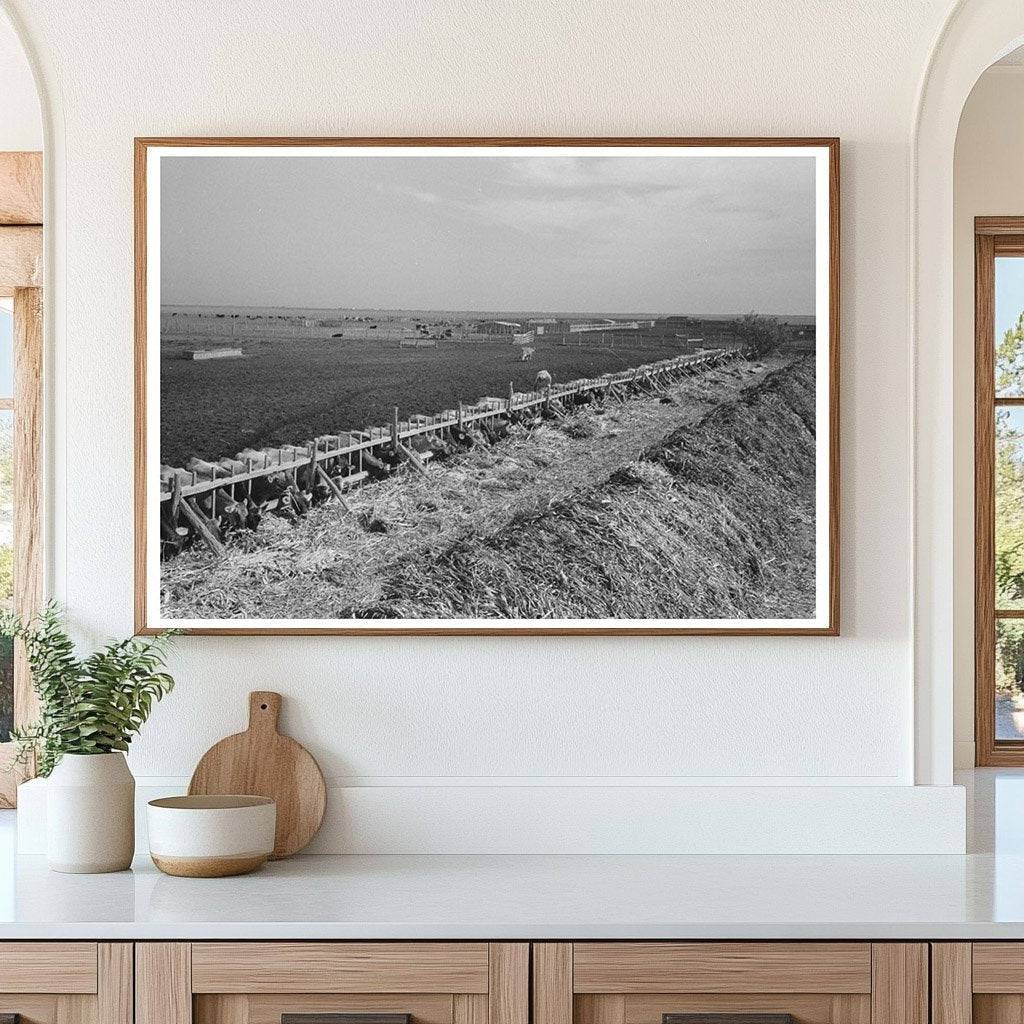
<point>210,867</point>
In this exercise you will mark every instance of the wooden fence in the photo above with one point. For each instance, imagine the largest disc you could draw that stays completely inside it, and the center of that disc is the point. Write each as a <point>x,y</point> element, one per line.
<point>189,498</point>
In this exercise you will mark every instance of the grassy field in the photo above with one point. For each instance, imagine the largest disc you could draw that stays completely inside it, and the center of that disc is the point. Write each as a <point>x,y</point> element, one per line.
<point>714,521</point>
<point>288,391</point>
<point>696,503</point>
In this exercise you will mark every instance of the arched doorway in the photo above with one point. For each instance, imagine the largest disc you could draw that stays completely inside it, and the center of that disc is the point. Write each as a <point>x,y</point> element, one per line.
<point>976,33</point>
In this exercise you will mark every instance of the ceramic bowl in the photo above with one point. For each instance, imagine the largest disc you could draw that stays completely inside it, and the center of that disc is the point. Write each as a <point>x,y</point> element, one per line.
<point>211,836</point>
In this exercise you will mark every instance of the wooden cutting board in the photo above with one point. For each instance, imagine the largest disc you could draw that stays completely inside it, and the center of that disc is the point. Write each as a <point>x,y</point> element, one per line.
<point>262,762</point>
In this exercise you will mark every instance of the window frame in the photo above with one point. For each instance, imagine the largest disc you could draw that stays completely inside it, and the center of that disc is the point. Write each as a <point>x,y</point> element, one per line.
<point>21,263</point>
<point>26,403</point>
<point>993,237</point>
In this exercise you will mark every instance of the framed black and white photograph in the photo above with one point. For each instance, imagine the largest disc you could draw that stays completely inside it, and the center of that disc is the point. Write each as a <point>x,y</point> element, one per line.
<point>488,386</point>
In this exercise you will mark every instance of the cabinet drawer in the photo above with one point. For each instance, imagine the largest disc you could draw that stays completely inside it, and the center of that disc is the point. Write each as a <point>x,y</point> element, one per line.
<point>998,967</point>
<point>263,982</point>
<point>66,982</point>
<point>735,982</point>
<point>340,967</point>
<point>629,967</point>
<point>981,982</point>
<point>48,967</point>
<point>270,1009</point>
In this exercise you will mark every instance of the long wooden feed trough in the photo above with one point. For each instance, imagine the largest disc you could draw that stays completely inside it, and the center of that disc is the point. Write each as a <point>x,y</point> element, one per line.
<point>189,486</point>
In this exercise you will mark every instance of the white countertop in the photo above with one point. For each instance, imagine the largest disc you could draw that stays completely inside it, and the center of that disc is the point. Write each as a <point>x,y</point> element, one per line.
<point>977,896</point>
<point>532,897</point>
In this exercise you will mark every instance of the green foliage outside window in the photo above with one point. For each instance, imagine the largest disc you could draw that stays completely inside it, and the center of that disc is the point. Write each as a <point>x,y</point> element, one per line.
<point>6,688</point>
<point>6,570</point>
<point>1009,508</point>
<point>1010,361</point>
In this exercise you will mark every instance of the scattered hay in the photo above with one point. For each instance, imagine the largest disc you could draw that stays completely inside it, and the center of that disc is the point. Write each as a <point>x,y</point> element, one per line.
<point>641,474</point>
<point>371,524</point>
<point>716,521</point>
<point>626,522</point>
<point>580,427</point>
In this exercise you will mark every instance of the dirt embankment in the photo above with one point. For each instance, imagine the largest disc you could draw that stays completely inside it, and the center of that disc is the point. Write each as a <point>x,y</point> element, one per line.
<point>697,505</point>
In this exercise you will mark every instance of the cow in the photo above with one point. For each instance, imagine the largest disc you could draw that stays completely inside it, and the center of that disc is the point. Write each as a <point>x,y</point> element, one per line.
<point>173,534</point>
<point>526,355</point>
<point>220,504</point>
<point>262,489</point>
<point>543,381</point>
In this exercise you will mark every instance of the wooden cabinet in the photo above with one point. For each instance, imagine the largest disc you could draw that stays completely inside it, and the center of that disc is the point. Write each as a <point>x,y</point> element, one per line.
<point>647,982</point>
<point>261,982</point>
<point>493,983</point>
<point>979,982</point>
<point>66,982</point>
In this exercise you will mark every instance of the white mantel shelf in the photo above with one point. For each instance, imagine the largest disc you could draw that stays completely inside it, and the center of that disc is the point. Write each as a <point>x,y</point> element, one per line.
<point>531,897</point>
<point>907,896</point>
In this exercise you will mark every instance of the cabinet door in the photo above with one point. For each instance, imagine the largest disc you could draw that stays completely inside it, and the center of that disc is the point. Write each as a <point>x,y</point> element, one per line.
<point>332,983</point>
<point>737,982</point>
<point>66,982</point>
<point>980,982</point>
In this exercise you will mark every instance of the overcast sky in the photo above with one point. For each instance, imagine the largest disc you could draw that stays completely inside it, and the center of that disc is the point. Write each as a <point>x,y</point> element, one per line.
<point>571,234</point>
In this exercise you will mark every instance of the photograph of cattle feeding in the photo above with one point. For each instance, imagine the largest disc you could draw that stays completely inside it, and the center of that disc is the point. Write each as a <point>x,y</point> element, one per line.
<point>459,387</point>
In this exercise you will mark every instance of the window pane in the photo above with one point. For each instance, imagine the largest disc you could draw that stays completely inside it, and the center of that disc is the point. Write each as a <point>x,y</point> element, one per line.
<point>1009,325</point>
<point>6,352</point>
<point>6,567</point>
<point>1009,533</point>
<point>1009,679</point>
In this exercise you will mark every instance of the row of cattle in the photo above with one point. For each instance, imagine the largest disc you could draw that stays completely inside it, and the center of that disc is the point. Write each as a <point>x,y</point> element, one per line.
<point>209,501</point>
<point>291,479</point>
<point>288,480</point>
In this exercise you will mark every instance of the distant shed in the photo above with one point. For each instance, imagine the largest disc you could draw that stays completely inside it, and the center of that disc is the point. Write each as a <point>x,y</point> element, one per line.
<point>499,327</point>
<point>214,353</point>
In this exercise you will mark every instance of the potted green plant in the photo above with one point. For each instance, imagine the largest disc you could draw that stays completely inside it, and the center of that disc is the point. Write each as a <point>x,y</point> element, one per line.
<point>89,710</point>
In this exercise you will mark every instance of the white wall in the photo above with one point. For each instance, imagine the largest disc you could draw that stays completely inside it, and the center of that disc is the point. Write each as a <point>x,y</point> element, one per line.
<point>21,125</point>
<point>988,180</point>
<point>441,713</point>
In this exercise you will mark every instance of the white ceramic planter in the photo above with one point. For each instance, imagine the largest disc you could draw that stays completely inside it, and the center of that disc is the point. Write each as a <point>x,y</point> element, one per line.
<point>90,814</point>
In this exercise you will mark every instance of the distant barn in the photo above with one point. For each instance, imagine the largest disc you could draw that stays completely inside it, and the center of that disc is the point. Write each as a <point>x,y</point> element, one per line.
<point>214,353</point>
<point>508,327</point>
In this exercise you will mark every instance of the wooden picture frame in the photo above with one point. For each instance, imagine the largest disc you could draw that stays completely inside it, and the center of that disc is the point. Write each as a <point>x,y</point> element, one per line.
<point>826,618</point>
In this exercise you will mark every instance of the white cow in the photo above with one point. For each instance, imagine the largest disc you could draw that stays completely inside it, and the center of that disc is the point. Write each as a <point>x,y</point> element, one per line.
<point>543,380</point>
<point>526,355</point>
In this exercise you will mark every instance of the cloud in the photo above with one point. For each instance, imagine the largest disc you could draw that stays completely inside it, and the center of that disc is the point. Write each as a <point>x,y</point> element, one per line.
<point>647,173</point>
<point>574,212</point>
<point>648,195</point>
<point>550,171</point>
<point>422,195</point>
